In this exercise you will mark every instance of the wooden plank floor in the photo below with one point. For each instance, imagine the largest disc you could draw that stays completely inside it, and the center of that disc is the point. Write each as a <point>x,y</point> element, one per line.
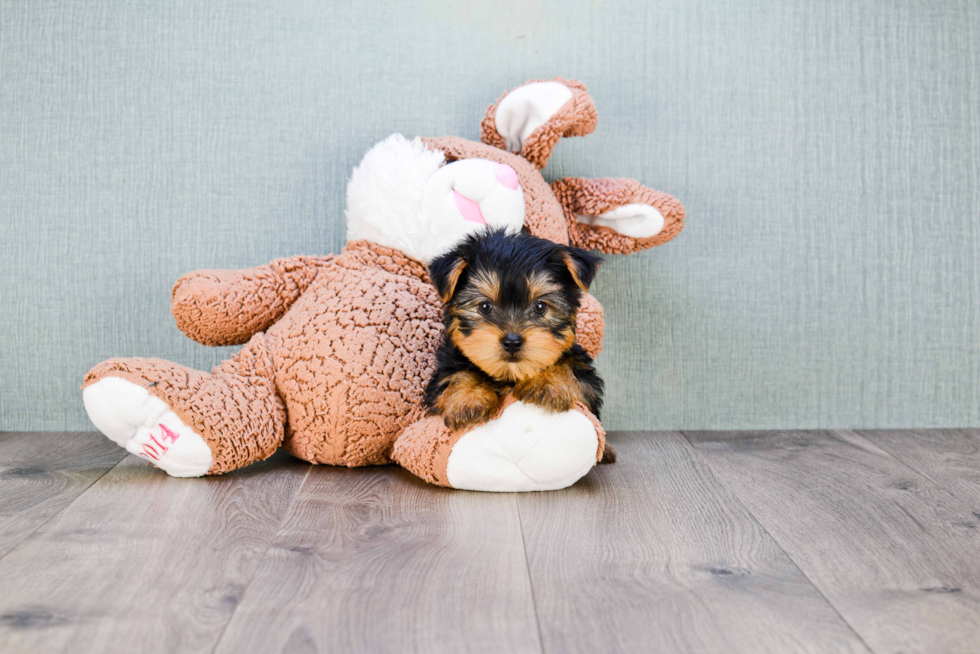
<point>693,542</point>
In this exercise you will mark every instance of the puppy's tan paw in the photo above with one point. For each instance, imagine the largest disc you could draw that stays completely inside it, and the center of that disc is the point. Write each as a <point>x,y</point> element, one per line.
<point>462,416</point>
<point>554,389</point>
<point>467,401</point>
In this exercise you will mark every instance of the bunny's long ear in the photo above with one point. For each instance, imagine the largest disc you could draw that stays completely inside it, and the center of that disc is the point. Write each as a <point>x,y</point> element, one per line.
<point>530,119</point>
<point>617,216</point>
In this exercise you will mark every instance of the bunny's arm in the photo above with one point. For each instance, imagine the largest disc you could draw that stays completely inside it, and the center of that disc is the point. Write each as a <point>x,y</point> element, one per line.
<point>227,307</point>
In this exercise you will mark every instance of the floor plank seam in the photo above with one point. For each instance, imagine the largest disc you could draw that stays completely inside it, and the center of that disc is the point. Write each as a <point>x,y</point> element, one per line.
<point>530,580</point>
<point>27,537</point>
<point>782,549</point>
<point>854,434</point>
<point>258,565</point>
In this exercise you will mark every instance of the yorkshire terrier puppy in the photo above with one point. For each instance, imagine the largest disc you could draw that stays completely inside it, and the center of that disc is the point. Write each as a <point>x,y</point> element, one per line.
<point>510,305</point>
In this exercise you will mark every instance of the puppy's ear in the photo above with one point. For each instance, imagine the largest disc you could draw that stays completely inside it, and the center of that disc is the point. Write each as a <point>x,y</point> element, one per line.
<point>582,264</point>
<point>445,272</point>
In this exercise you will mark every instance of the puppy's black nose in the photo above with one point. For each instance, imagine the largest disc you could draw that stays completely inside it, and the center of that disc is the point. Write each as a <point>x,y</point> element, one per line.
<point>512,342</point>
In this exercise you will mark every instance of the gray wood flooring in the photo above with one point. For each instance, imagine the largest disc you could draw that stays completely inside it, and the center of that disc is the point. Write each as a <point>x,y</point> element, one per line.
<point>835,541</point>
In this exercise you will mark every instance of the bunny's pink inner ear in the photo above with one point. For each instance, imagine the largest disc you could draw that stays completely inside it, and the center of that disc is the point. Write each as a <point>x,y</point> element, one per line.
<point>531,119</point>
<point>617,216</point>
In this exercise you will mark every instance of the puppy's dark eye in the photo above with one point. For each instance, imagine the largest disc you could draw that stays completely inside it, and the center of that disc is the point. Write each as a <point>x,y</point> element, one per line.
<point>485,307</point>
<point>539,307</point>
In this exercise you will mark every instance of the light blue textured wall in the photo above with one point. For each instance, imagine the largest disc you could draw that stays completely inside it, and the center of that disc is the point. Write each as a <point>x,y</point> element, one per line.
<point>828,154</point>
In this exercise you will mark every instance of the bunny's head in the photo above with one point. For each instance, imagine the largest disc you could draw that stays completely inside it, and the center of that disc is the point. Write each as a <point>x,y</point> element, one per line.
<point>423,196</point>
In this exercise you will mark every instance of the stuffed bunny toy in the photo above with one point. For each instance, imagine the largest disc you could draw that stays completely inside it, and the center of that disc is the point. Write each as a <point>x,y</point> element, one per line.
<point>338,348</point>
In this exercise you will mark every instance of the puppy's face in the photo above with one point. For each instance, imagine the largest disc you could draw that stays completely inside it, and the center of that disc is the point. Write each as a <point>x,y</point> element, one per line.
<point>511,301</point>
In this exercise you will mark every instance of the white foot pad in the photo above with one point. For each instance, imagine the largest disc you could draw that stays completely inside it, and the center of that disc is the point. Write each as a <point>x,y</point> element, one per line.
<point>144,424</point>
<point>525,449</point>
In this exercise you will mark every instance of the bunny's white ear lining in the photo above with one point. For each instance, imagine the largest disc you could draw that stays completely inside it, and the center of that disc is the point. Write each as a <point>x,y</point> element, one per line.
<point>527,108</point>
<point>633,220</point>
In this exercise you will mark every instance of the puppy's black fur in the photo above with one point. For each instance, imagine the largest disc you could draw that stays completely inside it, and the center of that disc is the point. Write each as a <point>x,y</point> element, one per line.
<point>510,310</point>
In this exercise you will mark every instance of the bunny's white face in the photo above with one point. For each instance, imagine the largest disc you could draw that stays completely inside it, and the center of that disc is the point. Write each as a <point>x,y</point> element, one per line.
<point>404,196</point>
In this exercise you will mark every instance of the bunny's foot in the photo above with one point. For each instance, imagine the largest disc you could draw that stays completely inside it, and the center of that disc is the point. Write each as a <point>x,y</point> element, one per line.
<point>524,448</point>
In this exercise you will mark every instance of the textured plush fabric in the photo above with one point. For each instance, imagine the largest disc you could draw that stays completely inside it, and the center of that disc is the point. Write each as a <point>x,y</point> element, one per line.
<point>349,360</point>
<point>590,325</point>
<point>235,408</point>
<point>354,355</point>
<point>226,307</point>
<point>576,118</point>
<point>424,448</point>
<point>597,196</point>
